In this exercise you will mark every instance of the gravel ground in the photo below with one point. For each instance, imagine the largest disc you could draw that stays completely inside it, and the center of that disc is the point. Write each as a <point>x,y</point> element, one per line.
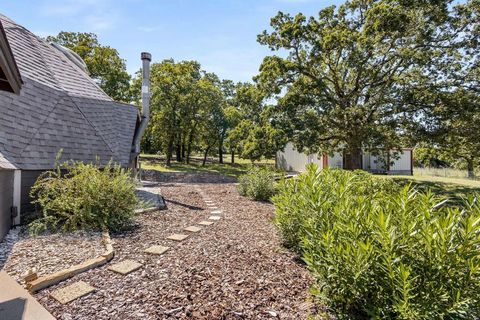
<point>234,269</point>
<point>49,253</point>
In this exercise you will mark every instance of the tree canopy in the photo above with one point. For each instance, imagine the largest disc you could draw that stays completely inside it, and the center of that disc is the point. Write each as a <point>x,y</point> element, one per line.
<point>344,82</point>
<point>103,62</point>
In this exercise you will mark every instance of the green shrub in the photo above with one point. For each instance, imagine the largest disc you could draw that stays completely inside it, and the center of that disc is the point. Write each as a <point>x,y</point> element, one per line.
<point>380,251</point>
<point>257,183</point>
<point>79,196</point>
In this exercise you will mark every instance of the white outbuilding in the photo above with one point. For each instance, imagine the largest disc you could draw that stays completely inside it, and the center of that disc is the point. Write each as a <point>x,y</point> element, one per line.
<point>395,162</point>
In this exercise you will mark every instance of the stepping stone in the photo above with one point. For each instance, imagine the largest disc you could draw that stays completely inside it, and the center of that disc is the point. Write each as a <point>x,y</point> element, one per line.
<point>214,217</point>
<point>216,212</point>
<point>205,223</point>
<point>72,292</point>
<point>156,249</point>
<point>193,229</point>
<point>178,237</point>
<point>125,267</point>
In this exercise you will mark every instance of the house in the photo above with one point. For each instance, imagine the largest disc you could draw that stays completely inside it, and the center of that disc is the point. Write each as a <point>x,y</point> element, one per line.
<point>48,104</point>
<point>394,162</point>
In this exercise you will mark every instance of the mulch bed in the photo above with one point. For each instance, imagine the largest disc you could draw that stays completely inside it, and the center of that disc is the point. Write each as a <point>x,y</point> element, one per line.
<point>20,252</point>
<point>234,269</point>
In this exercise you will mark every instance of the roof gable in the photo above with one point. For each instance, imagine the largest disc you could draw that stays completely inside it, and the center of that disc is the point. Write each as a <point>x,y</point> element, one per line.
<point>9,75</point>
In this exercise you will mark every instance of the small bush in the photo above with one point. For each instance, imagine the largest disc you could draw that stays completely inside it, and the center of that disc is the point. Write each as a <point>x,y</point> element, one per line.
<point>381,251</point>
<point>257,183</point>
<point>80,196</point>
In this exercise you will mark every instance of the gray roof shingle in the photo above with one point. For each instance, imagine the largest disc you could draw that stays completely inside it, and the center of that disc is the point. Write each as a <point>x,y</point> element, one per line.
<point>59,108</point>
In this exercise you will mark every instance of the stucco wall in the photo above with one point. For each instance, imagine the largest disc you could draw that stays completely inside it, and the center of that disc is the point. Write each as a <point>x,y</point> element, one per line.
<point>6,200</point>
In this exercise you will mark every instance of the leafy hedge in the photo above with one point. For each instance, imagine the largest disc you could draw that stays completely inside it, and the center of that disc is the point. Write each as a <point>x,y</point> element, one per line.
<point>78,196</point>
<point>257,183</point>
<point>382,251</point>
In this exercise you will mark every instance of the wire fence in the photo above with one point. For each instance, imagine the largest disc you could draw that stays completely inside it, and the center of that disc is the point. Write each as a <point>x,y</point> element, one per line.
<point>445,172</point>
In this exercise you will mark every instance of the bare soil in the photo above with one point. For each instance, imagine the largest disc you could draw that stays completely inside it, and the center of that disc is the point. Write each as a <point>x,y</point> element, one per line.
<point>233,269</point>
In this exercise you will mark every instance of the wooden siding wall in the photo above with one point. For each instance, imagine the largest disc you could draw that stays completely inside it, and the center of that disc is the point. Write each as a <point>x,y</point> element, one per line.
<point>6,201</point>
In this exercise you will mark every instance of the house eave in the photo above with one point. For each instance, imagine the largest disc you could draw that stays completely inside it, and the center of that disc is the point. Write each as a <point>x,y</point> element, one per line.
<point>10,79</point>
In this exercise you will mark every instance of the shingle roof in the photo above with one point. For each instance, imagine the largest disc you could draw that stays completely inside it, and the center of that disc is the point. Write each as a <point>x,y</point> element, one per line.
<point>59,107</point>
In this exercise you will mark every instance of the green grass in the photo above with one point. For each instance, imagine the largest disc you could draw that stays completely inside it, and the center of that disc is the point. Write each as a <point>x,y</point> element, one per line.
<point>452,188</point>
<point>156,162</point>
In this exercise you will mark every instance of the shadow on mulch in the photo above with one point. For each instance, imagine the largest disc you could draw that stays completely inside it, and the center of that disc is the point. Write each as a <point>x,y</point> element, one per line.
<point>127,230</point>
<point>188,206</point>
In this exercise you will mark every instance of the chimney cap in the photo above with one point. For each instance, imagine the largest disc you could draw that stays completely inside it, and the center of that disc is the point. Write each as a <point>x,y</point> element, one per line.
<point>146,56</point>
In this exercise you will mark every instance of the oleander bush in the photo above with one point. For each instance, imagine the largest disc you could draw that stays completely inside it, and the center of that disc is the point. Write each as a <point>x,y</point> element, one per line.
<point>257,184</point>
<point>381,251</point>
<point>78,196</point>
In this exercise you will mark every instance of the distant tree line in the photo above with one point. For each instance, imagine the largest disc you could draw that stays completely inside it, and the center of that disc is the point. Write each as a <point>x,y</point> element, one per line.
<point>368,75</point>
<point>193,111</point>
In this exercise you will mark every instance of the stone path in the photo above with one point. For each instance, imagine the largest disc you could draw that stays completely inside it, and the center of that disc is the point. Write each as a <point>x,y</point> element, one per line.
<point>125,267</point>
<point>80,288</point>
<point>72,292</point>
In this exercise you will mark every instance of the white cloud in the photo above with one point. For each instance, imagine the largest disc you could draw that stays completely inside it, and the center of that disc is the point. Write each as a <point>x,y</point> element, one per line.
<point>69,7</point>
<point>93,15</point>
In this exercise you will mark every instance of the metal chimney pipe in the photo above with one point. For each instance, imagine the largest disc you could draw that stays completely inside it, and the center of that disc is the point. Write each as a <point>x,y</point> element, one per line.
<point>145,114</point>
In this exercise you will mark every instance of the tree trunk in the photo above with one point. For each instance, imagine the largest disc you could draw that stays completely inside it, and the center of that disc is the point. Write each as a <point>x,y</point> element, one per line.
<point>233,157</point>
<point>353,159</point>
<point>179,152</point>
<point>189,143</point>
<point>183,150</point>
<point>189,151</point>
<point>471,169</point>
<point>169,152</point>
<point>220,151</point>
<point>205,156</point>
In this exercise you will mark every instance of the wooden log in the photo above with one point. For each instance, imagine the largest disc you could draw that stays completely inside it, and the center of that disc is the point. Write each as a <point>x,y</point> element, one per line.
<point>54,278</point>
<point>65,274</point>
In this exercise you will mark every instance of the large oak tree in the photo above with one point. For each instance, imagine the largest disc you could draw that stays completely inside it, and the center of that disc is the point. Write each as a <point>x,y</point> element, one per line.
<point>339,78</point>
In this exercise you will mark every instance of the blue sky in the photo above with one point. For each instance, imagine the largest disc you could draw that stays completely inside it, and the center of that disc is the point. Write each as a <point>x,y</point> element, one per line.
<point>221,35</point>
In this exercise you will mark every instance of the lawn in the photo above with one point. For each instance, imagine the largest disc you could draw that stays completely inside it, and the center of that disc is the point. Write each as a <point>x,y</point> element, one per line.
<point>157,162</point>
<point>453,188</point>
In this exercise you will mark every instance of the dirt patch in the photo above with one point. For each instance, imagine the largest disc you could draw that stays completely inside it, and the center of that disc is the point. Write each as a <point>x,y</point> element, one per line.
<point>233,269</point>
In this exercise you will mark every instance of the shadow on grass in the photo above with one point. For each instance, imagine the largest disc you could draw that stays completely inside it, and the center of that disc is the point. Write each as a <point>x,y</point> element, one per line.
<point>454,192</point>
<point>196,166</point>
